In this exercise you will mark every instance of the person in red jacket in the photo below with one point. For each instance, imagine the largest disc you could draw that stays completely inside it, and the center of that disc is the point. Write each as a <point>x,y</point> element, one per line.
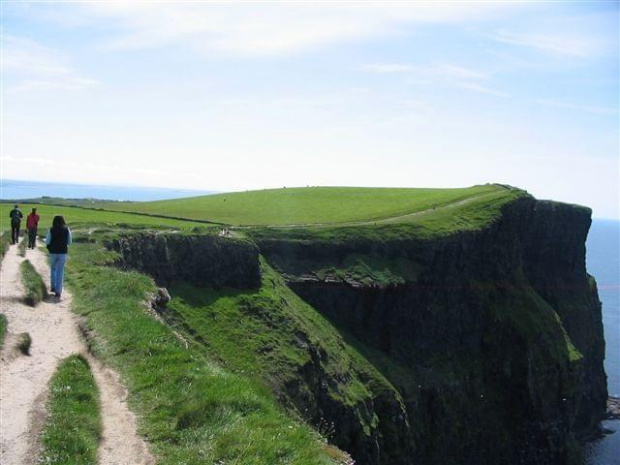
<point>32,224</point>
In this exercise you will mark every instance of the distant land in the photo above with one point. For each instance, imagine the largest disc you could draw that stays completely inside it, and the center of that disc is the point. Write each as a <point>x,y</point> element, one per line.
<point>22,190</point>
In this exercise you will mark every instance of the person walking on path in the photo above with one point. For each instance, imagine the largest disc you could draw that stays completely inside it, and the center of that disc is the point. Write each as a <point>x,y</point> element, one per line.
<point>58,239</point>
<point>16,220</point>
<point>32,224</point>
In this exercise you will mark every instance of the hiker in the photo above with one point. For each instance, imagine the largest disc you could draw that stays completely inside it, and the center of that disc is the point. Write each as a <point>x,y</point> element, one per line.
<point>32,224</point>
<point>58,239</point>
<point>16,220</point>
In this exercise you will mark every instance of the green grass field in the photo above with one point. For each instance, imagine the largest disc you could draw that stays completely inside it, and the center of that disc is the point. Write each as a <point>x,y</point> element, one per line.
<point>313,205</point>
<point>84,217</point>
<point>396,211</point>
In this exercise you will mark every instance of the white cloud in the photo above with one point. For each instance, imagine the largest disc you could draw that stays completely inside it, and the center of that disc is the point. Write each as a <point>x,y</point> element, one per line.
<point>444,73</point>
<point>382,68</point>
<point>269,28</point>
<point>587,108</point>
<point>434,71</point>
<point>481,89</point>
<point>31,66</point>
<point>563,44</point>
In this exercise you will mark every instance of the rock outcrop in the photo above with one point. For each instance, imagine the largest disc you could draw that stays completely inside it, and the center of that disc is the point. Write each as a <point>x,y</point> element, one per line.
<point>199,259</point>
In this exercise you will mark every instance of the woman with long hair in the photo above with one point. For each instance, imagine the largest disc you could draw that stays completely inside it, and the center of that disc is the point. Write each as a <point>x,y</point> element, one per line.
<point>58,239</point>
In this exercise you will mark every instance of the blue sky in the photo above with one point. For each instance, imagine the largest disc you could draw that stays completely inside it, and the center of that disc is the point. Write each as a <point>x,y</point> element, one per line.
<point>248,95</point>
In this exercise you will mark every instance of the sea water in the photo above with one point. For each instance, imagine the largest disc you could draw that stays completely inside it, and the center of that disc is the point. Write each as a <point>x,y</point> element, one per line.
<point>20,190</point>
<point>603,262</point>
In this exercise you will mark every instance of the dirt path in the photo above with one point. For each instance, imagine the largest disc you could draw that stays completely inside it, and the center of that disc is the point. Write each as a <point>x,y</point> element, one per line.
<point>24,379</point>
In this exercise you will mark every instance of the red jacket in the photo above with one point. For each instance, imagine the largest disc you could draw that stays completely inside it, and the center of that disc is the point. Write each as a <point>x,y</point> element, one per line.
<point>32,221</point>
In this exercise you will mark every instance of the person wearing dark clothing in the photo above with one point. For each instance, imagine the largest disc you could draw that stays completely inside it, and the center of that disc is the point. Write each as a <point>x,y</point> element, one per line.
<point>16,220</point>
<point>58,239</point>
<point>32,224</point>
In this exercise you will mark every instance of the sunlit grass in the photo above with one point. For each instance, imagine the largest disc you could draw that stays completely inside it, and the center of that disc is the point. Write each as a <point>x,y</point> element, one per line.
<point>192,410</point>
<point>306,206</point>
<point>73,428</point>
<point>34,286</point>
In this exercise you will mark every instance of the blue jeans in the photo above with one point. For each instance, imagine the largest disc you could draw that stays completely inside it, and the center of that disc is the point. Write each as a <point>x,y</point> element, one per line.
<point>57,265</point>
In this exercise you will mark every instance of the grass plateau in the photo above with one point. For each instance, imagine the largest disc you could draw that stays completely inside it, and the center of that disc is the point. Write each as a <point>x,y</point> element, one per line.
<point>314,205</point>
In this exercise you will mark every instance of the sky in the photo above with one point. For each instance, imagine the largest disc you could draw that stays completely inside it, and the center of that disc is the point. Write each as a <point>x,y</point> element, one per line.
<point>232,96</point>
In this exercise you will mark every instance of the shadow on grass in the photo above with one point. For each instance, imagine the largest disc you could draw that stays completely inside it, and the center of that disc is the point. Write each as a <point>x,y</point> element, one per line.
<point>205,297</point>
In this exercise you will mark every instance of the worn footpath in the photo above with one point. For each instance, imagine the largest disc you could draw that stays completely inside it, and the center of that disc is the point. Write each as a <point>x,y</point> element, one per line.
<point>24,380</point>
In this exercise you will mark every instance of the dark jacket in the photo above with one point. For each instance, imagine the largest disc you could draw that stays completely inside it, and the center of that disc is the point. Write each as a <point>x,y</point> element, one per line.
<point>16,216</point>
<point>58,239</point>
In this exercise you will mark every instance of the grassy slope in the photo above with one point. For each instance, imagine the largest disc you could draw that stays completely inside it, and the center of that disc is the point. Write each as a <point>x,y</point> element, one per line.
<point>73,427</point>
<point>86,217</point>
<point>193,411</point>
<point>476,213</point>
<point>264,332</point>
<point>302,206</point>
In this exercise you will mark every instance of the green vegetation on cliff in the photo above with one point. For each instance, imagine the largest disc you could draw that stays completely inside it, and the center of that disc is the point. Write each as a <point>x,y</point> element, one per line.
<point>387,326</point>
<point>273,333</point>
<point>192,409</point>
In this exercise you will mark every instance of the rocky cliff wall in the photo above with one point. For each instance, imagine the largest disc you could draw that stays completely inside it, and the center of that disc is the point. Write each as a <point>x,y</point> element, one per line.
<point>498,331</point>
<point>198,259</point>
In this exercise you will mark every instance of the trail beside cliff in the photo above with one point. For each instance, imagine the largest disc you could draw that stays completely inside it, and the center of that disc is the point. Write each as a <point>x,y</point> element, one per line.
<point>24,379</point>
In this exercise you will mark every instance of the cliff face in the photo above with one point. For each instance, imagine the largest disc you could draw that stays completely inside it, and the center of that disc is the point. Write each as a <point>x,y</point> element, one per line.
<point>493,338</point>
<point>198,259</point>
<point>481,347</point>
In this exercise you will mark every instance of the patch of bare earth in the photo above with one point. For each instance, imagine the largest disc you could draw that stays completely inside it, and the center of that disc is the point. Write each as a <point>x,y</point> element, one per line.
<point>24,380</point>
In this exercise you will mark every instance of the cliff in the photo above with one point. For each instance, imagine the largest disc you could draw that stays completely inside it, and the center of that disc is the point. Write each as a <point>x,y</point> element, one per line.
<point>476,346</point>
<point>492,337</point>
<point>200,259</point>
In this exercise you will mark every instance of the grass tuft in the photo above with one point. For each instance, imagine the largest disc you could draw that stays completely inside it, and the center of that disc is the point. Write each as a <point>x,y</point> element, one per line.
<point>73,429</point>
<point>3,327</point>
<point>5,242</point>
<point>33,284</point>
<point>24,341</point>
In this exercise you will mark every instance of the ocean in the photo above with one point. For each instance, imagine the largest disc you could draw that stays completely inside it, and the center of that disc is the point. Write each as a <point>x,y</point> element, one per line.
<point>13,190</point>
<point>603,262</point>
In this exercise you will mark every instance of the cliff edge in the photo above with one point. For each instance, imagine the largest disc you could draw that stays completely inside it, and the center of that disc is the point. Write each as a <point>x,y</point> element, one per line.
<point>493,337</point>
<point>472,335</point>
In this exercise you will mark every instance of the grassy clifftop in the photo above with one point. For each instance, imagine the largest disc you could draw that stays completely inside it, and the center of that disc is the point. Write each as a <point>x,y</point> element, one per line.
<point>314,206</point>
<point>333,213</point>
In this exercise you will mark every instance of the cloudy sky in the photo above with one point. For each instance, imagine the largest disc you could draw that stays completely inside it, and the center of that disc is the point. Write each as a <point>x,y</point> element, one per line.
<point>247,95</point>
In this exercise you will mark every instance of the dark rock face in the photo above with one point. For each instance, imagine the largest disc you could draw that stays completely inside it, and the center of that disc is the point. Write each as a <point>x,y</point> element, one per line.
<point>201,260</point>
<point>499,334</point>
